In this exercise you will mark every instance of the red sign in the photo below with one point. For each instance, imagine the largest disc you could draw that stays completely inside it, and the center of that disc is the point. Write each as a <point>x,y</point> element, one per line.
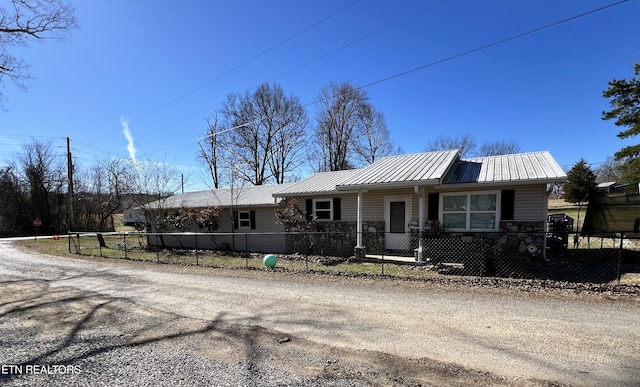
<point>37,223</point>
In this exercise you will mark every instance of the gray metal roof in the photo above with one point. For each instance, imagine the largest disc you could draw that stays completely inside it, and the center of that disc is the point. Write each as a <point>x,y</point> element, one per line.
<point>521,167</point>
<point>253,196</point>
<point>317,184</point>
<point>420,168</point>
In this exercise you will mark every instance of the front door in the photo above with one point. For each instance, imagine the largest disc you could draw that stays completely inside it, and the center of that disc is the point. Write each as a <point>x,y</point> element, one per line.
<point>397,218</point>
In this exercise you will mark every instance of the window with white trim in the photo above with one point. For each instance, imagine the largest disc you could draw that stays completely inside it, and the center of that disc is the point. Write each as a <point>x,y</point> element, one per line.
<point>469,211</point>
<point>244,219</point>
<point>322,209</point>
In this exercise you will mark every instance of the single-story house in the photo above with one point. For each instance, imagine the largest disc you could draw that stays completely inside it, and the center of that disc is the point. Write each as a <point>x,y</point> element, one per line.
<point>243,211</point>
<point>388,204</point>
<point>409,195</point>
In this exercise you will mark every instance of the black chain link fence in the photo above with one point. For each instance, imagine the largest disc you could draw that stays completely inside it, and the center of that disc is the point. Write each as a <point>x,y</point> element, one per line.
<point>613,258</point>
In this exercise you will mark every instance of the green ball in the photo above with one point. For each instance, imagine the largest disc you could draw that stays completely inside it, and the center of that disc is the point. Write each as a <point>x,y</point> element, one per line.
<point>270,260</point>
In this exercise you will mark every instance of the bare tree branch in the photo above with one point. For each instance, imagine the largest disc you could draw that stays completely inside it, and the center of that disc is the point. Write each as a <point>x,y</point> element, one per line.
<point>27,20</point>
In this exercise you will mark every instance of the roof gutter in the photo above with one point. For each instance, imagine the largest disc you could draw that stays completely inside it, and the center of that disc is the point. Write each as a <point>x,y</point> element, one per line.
<point>500,183</point>
<point>389,185</point>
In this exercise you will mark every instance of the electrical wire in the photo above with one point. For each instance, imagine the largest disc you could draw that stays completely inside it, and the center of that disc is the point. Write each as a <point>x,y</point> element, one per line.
<point>332,52</point>
<point>240,65</point>
<point>444,60</point>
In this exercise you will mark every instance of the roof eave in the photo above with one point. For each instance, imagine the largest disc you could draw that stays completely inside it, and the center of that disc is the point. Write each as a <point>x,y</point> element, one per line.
<point>389,185</point>
<point>501,183</point>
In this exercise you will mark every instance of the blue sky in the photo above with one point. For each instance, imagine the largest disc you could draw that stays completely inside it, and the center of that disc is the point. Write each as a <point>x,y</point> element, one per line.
<point>163,66</point>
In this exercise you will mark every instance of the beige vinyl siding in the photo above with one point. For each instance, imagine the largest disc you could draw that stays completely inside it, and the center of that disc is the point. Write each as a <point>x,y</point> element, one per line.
<point>348,205</point>
<point>529,203</point>
<point>268,236</point>
<point>529,200</point>
<point>266,221</point>
<point>373,203</point>
<point>225,221</point>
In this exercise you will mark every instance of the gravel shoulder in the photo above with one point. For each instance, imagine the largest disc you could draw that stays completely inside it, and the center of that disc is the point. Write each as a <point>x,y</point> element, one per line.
<point>92,340</point>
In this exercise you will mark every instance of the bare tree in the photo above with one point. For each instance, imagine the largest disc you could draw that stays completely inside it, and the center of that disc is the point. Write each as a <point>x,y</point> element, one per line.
<point>267,133</point>
<point>609,171</point>
<point>497,148</point>
<point>14,219</point>
<point>466,144</point>
<point>46,177</point>
<point>113,185</point>
<point>29,20</point>
<point>154,181</point>
<point>339,119</point>
<point>468,148</point>
<point>212,152</point>
<point>373,140</point>
<point>289,139</point>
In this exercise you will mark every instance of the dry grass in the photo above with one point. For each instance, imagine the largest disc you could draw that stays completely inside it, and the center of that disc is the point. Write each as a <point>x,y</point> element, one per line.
<point>134,247</point>
<point>136,250</point>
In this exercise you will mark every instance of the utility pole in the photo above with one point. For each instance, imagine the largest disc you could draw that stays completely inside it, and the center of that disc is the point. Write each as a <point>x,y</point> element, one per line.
<point>70,182</point>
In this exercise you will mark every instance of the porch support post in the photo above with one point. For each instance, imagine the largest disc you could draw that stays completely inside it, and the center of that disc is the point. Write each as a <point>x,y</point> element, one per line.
<point>420,192</point>
<point>359,220</point>
<point>359,252</point>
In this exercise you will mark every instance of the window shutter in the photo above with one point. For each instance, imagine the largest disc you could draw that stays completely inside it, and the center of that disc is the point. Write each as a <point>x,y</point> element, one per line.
<point>309,205</point>
<point>336,209</point>
<point>433,205</point>
<point>252,220</point>
<point>235,220</point>
<point>507,204</point>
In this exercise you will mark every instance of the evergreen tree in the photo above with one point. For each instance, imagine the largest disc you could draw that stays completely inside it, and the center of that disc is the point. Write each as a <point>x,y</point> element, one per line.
<point>625,104</point>
<point>580,180</point>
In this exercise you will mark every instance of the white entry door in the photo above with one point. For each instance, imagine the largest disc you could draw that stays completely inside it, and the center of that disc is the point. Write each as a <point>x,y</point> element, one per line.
<point>397,215</point>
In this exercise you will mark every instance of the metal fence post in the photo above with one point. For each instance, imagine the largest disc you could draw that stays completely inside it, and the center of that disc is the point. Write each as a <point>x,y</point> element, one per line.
<point>382,255</point>
<point>124,242</point>
<point>620,256</point>
<point>196,237</point>
<point>157,250</point>
<point>246,250</point>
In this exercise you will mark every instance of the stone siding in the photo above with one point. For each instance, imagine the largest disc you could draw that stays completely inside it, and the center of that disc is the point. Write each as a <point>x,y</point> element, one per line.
<point>487,253</point>
<point>334,238</point>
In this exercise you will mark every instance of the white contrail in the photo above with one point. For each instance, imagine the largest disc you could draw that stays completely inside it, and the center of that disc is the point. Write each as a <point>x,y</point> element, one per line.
<point>130,145</point>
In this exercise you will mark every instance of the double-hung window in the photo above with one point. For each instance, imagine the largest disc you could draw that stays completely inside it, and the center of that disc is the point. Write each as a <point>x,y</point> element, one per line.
<point>244,219</point>
<point>470,211</point>
<point>322,209</point>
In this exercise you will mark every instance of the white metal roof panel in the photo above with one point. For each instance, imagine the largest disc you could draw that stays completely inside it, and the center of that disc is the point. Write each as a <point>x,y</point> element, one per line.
<point>319,183</point>
<point>417,168</point>
<point>252,196</point>
<point>521,167</point>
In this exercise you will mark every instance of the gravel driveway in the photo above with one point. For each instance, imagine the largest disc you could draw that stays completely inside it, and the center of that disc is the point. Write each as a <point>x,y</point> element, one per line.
<point>99,322</point>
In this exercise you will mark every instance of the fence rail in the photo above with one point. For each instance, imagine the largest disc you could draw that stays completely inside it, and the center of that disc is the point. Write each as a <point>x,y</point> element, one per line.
<point>613,259</point>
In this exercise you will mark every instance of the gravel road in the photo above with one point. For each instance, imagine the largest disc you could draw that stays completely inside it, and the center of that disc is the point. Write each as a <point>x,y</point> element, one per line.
<point>99,322</point>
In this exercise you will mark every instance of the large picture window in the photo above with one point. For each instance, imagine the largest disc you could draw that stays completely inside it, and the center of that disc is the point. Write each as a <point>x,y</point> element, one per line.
<point>471,211</point>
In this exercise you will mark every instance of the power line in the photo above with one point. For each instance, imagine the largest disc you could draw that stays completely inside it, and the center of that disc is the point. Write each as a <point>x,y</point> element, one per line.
<point>514,37</point>
<point>354,42</point>
<point>246,62</point>
<point>444,60</point>
<point>242,64</point>
<point>367,36</point>
<point>422,67</point>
